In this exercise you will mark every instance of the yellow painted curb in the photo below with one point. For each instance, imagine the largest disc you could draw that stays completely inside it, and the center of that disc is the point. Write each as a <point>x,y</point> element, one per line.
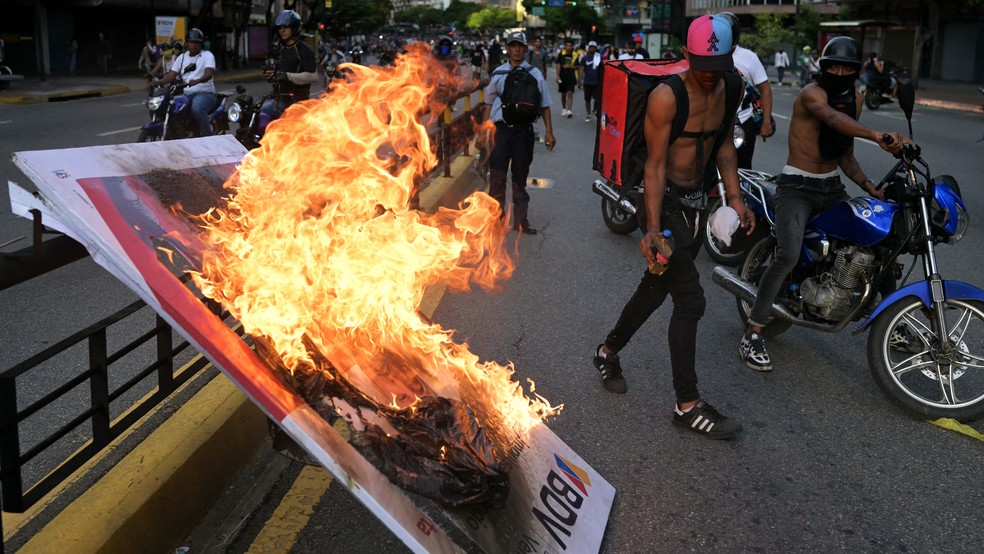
<point>166,484</point>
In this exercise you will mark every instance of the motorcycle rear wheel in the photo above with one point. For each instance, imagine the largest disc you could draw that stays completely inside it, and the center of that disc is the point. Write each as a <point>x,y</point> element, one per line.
<point>715,248</point>
<point>872,99</point>
<point>759,257</point>
<point>617,219</point>
<point>905,359</point>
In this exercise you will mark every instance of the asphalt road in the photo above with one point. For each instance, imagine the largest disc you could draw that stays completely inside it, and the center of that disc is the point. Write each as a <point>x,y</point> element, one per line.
<point>824,463</point>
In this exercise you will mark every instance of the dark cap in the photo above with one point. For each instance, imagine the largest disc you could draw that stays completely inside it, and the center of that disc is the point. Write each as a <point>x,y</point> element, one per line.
<point>517,36</point>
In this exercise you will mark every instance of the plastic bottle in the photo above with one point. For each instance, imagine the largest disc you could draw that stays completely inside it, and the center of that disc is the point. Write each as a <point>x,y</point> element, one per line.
<point>663,249</point>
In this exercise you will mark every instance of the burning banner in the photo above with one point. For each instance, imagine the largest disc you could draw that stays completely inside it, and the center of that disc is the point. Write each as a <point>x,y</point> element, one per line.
<point>317,252</point>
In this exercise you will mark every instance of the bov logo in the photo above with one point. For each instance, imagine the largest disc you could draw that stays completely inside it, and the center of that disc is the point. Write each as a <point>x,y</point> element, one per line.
<point>561,498</point>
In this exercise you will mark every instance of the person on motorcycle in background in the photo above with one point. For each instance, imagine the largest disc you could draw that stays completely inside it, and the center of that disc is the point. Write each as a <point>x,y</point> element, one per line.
<point>296,68</point>
<point>877,74</point>
<point>821,140</point>
<point>195,67</point>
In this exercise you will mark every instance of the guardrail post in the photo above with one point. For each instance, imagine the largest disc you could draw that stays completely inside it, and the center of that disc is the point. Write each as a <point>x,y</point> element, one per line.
<point>99,387</point>
<point>165,360</point>
<point>10,470</point>
<point>446,141</point>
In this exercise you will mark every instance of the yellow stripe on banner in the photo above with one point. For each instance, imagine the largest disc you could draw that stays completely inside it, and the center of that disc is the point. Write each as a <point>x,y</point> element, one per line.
<point>954,425</point>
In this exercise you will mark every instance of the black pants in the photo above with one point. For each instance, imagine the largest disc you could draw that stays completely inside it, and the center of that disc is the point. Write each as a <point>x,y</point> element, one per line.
<point>681,281</point>
<point>513,146</point>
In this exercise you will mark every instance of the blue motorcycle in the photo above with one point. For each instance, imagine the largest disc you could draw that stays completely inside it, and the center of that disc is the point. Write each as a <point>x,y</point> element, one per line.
<point>925,339</point>
<point>170,115</point>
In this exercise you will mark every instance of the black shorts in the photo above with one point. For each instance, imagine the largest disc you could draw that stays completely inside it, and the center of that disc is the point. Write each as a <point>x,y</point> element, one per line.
<point>567,85</point>
<point>590,92</point>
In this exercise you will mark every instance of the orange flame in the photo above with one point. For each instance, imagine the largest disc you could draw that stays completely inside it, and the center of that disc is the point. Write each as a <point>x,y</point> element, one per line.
<point>318,241</point>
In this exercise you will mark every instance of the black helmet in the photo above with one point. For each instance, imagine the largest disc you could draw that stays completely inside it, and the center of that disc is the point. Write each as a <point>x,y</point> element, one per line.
<point>735,26</point>
<point>288,18</point>
<point>195,35</point>
<point>842,50</point>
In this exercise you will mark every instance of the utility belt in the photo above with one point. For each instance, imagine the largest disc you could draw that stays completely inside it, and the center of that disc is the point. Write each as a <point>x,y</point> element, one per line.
<point>677,197</point>
<point>811,182</point>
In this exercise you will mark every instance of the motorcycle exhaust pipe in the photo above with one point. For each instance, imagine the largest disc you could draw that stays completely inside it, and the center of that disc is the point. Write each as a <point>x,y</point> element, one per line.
<point>747,292</point>
<point>603,189</point>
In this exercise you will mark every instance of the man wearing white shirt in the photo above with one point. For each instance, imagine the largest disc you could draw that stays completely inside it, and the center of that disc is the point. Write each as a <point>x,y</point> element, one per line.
<point>755,110</point>
<point>631,53</point>
<point>782,62</point>
<point>195,67</point>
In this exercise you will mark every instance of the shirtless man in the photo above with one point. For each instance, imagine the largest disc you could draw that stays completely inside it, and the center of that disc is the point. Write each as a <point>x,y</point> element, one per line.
<point>673,177</point>
<point>821,139</point>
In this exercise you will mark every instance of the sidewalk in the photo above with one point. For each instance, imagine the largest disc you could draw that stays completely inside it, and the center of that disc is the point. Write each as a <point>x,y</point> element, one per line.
<point>61,87</point>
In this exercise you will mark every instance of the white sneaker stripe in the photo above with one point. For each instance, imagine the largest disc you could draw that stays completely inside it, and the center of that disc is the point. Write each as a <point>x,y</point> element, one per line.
<point>697,421</point>
<point>702,425</point>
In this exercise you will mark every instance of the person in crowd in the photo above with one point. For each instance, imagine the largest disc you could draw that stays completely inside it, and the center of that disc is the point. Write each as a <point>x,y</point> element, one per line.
<point>589,79</point>
<point>494,55</point>
<point>478,61</point>
<point>513,147</point>
<point>877,73</point>
<point>637,41</point>
<point>538,56</point>
<point>631,52</point>
<point>169,51</point>
<point>295,68</point>
<point>781,62</point>
<point>73,55</point>
<point>822,130</point>
<point>195,67</point>
<point>567,78</point>
<point>148,56</point>
<point>673,176</point>
<point>755,113</point>
<point>104,52</point>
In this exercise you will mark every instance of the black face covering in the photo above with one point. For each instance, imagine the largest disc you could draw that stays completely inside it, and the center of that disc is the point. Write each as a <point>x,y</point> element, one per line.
<point>836,85</point>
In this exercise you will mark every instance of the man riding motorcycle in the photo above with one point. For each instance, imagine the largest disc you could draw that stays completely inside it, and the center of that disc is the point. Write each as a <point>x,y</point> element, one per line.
<point>295,69</point>
<point>821,140</point>
<point>195,67</point>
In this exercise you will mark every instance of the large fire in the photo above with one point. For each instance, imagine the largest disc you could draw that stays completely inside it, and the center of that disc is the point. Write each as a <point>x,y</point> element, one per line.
<point>318,245</point>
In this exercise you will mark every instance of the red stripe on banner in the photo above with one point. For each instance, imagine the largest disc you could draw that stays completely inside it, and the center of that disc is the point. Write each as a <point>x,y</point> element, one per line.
<point>221,345</point>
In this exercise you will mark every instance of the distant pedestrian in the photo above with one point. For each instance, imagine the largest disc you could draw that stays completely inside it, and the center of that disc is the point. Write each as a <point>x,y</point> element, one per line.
<point>513,148</point>
<point>73,55</point>
<point>495,55</point>
<point>148,56</point>
<point>538,56</point>
<point>104,53</point>
<point>478,62</point>
<point>588,78</point>
<point>567,78</point>
<point>782,62</point>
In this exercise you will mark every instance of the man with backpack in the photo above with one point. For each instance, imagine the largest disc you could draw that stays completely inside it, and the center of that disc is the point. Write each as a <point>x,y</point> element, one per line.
<point>518,95</point>
<point>688,125</point>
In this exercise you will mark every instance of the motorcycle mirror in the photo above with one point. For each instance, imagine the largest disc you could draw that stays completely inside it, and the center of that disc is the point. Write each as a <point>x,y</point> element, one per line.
<point>907,97</point>
<point>907,100</point>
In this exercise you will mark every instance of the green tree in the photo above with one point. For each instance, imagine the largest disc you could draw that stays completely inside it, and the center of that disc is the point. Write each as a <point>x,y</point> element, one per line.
<point>354,17</point>
<point>459,12</point>
<point>580,18</point>
<point>492,19</point>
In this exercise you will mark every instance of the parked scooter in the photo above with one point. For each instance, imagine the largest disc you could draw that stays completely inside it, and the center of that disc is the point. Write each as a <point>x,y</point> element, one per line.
<point>170,115</point>
<point>924,338</point>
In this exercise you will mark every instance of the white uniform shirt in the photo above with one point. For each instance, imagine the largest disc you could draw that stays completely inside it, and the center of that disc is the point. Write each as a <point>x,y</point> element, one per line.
<point>782,60</point>
<point>203,60</point>
<point>752,69</point>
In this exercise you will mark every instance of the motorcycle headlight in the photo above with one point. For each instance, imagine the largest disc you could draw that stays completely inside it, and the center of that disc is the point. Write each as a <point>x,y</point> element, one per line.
<point>154,102</point>
<point>948,214</point>
<point>234,112</point>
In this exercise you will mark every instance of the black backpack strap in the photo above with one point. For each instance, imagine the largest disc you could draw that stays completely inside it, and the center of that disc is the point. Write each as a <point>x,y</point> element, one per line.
<point>682,107</point>
<point>733,85</point>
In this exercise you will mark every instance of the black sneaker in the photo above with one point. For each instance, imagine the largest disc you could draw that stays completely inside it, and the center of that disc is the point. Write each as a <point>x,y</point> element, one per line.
<point>753,353</point>
<point>704,419</point>
<point>611,372</point>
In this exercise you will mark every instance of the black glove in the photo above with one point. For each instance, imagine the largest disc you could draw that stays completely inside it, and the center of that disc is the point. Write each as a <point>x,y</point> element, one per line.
<point>279,77</point>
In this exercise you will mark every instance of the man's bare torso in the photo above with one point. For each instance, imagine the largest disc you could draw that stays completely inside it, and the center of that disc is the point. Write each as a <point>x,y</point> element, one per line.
<point>804,132</point>
<point>706,113</point>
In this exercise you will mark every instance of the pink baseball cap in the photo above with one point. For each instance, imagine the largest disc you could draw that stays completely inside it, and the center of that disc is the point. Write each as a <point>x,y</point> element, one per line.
<point>709,42</point>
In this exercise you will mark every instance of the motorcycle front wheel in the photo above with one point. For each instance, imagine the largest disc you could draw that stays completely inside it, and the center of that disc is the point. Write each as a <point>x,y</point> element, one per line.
<point>148,136</point>
<point>872,99</point>
<point>760,255</point>
<point>910,363</point>
<point>617,219</point>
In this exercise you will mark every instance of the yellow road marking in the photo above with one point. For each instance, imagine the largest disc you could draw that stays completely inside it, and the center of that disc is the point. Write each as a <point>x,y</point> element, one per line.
<point>954,425</point>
